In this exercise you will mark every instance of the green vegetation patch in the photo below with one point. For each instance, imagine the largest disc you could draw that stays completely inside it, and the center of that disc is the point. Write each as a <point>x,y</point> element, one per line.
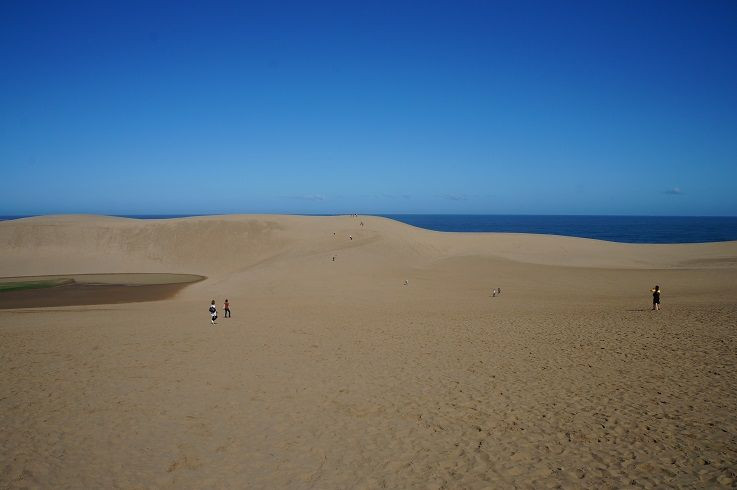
<point>19,285</point>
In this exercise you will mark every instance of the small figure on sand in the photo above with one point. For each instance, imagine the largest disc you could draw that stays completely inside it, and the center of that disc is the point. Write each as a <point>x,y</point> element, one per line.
<point>333,258</point>
<point>226,308</point>
<point>493,293</point>
<point>213,312</point>
<point>656,297</point>
<point>361,223</point>
<point>406,282</point>
<point>498,291</point>
<point>350,236</point>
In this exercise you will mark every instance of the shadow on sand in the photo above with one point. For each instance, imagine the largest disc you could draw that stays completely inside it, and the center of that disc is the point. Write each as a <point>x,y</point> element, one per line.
<point>78,291</point>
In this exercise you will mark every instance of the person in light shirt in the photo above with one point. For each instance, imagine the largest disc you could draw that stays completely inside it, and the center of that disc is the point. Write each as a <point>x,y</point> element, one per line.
<point>213,312</point>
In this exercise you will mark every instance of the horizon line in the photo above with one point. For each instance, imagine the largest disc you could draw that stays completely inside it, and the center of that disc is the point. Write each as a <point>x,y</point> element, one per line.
<point>184,215</point>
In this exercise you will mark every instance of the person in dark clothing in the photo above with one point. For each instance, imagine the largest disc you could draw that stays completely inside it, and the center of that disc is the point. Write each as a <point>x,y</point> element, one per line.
<point>226,308</point>
<point>213,312</point>
<point>656,297</point>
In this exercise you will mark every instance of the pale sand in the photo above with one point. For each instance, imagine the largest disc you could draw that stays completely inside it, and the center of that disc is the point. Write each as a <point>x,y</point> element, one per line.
<point>337,375</point>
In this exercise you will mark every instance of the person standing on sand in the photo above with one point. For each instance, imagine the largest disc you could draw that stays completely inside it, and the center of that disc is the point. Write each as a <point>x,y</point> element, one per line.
<point>226,308</point>
<point>213,312</point>
<point>656,297</point>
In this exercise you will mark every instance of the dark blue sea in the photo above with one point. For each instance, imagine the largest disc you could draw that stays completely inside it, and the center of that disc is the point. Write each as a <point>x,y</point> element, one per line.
<point>626,229</point>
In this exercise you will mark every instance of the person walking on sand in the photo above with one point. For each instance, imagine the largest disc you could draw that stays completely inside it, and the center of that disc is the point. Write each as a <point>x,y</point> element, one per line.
<point>226,308</point>
<point>213,312</point>
<point>656,297</point>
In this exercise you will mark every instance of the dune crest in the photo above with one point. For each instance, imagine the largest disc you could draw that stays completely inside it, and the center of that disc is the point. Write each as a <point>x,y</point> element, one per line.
<point>226,244</point>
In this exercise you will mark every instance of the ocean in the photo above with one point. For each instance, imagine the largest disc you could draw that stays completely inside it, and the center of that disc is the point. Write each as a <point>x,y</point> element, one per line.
<point>625,229</point>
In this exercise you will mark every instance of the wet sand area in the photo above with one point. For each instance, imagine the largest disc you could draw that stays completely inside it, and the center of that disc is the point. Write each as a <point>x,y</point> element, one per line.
<point>90,289</point>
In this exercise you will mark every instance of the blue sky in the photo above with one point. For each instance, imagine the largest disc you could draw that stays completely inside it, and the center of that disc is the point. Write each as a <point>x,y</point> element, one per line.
<point>307,107</point>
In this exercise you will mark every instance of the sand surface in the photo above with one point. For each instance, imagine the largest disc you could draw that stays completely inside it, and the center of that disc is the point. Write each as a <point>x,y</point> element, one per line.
<point>334,374</point>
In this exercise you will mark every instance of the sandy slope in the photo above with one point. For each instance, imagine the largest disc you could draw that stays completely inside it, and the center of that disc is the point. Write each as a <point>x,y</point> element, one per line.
<point>333,374</point>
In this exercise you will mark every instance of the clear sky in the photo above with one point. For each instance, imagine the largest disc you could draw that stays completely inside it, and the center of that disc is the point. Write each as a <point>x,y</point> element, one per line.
<point>623,107</point>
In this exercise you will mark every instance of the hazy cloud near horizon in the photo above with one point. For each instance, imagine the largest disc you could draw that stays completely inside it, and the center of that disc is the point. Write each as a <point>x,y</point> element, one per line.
<point>394,196</point>
<point>309,197</point>
<point>454,197</point>
<point>674,191</point>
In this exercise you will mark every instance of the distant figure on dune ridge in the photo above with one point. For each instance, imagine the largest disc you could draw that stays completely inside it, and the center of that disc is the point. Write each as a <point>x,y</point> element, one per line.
<point>493,293</point>
<point>226,308</point>
<point>656,297</point>
<point>213,312</point>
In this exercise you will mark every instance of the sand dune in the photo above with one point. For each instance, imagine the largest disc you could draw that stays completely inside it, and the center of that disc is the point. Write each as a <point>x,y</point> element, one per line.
<point>334,374</point>
<point>225,243</point>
